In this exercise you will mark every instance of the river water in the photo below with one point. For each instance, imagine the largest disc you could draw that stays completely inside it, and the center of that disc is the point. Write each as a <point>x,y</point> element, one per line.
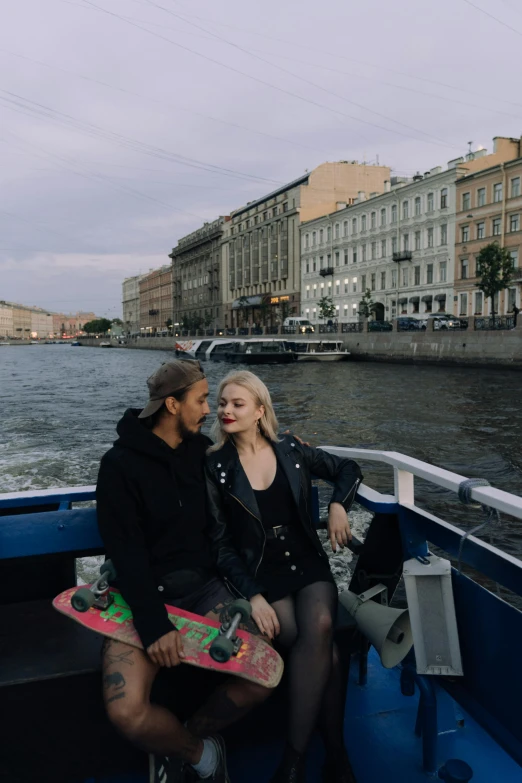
<point>59,406</point>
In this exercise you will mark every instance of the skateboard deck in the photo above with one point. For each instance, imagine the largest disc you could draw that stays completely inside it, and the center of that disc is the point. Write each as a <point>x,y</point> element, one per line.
<point>256,660</point>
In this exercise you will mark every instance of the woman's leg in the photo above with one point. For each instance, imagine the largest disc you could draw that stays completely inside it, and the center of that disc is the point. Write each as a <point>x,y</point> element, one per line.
<point>307,629</point>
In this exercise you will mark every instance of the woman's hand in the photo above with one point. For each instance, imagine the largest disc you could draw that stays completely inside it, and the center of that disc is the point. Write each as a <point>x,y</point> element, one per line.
<point>338,526</point>
<point>264,616</point>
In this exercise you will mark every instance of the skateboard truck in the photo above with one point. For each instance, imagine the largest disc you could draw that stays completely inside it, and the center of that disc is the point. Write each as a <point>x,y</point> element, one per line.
<point>97,594</point>
<point>228,643</point>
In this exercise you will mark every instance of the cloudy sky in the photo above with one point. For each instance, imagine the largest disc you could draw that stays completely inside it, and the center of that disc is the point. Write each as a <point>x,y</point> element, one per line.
<point>125,124</point>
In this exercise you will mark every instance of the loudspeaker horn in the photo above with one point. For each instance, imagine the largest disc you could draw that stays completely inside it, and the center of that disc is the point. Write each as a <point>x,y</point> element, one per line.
<point>388,629</point>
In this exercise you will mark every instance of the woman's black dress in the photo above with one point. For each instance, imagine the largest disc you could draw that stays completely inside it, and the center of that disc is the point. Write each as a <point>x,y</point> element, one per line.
<point>290,561</point>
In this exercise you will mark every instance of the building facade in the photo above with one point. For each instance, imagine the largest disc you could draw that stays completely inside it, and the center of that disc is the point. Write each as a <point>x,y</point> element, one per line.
<point>131,304</point>
<point>399,245</point>
<point>489,209</point>
<point>6,320</point>
<point>198,277</point>
<point>261,245</point>
<point>70,325</point>
<point>155,291</point>
<point>41,324</point>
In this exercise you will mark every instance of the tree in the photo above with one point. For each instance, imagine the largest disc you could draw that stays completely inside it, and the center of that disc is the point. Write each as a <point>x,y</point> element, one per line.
<point>326,307</point>
<point>208,318</point>
<point>366,304</point>
<point>117,322</point>
<point>495,270</point>
<point>98,326</point>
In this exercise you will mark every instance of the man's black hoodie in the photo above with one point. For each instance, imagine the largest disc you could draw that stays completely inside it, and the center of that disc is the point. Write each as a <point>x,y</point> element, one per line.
<point>151,505</point>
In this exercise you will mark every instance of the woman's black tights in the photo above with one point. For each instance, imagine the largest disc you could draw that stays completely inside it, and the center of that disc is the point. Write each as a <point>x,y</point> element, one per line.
<point>316,685</point>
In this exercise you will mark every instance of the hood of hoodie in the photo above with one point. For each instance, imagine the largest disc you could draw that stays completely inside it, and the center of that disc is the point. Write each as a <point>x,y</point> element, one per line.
<point>134,434</point>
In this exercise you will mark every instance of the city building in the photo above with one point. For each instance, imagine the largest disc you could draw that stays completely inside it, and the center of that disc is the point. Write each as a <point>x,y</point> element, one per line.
<point>6,320</point>
<point>70,325</point>
<point>155,291</point>
<point>131,304</point>
<point>489,209</point>
<point>261,247</point>
<point>198,280</point>
<point>400,245</point>
<point>41,323</point>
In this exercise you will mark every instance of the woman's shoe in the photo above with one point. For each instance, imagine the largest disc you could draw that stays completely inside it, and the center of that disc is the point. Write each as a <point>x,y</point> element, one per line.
<point>339,770</point>
<point>291,768</point>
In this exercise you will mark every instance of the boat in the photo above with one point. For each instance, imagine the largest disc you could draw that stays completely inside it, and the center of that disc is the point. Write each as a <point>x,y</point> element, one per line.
<point>456,719</point>
<point>253,351</point>
<point>105,344</point>
<point>75,342</point>
<point>6,343</point>
<point>320,350</point>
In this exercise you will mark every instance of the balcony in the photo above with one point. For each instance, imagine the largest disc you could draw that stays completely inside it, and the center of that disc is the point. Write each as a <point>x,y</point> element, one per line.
<point>153,312</point>
<point>404,255</point>
<point>329,270</point>
<point>516,276</point>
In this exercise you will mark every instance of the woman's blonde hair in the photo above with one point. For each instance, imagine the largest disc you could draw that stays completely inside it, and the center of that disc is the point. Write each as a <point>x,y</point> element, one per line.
<point>268,425</point>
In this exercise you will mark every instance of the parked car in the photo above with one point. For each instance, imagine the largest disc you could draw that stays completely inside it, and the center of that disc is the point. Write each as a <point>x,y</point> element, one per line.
<point>406,323</point>
<point>303,324</point>
<point>444,321</point>
<point>379,326</point>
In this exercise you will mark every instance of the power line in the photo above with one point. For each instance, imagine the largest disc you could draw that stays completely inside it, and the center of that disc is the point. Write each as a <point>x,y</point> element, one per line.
<point>495,18</point>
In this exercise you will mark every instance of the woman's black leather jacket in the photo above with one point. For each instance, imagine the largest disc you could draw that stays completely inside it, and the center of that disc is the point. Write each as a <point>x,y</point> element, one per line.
<point>235,526</point>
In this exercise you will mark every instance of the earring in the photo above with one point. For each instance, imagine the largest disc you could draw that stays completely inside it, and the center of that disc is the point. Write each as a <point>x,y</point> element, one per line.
<point>258,426</point>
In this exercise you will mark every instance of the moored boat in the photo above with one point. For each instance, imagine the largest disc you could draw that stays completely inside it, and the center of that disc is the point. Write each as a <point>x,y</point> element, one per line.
<point>320,350</point>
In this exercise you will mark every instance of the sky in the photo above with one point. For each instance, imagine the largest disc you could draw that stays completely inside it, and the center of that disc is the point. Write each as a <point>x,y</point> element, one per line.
<point>126,124</point>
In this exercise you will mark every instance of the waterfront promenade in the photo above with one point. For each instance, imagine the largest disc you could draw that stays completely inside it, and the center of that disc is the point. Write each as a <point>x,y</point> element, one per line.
<point>470,347</point>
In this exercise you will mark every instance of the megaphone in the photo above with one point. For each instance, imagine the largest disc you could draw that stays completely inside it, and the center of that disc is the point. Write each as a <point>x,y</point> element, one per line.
<point>387,629</point>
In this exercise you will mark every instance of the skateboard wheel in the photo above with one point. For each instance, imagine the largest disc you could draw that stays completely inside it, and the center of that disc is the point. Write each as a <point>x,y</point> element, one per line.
<point>83,599</point>
<point>242,607</point>
<point>108,569</point>
<point>221,649</point>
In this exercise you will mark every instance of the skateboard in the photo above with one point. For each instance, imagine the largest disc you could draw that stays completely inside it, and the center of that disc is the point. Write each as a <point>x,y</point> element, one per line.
<point>206,643</point>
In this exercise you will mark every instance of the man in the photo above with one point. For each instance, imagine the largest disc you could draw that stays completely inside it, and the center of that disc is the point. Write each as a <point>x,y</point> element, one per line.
<point>151,505</point>
<point>515,312</point>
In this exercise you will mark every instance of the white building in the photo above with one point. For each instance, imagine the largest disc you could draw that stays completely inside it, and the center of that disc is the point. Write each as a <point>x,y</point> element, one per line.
<point>400,245</point>
<point>131,303</point>
<point>6,320</point>
<point>41,323</point>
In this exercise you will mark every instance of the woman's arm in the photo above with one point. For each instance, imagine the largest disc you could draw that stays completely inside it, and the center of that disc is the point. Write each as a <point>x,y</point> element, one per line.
<point>227,558</point>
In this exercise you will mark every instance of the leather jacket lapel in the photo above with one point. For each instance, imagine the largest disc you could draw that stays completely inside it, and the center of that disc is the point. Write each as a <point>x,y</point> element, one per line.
<point>290,463</point>
<point>238,484</point>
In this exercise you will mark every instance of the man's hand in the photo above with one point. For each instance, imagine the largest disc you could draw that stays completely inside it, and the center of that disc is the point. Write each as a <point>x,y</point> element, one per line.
<point>338,526</point>
<point>264,616</point>
<point>167,650</point>
<point>302,442</point>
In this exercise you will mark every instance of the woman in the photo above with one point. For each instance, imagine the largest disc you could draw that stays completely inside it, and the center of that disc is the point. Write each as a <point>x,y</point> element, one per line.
<point>268,551</point>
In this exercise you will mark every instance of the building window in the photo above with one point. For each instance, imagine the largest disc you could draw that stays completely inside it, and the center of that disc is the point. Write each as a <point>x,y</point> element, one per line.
<point>481,197</point>
<point>383,280</point>
<point>308,292</point>
<point>329,234</point>
<point>481,230</point>
<point>363,222</point>
<point>466,201</point>
<point>394,213</point>
<point>429,274</point>
<point>373,281</point>
<point>430,202</point>
<point>464,268</point>
<point>417,205</point>
<point>514,222</point>
<point>363,251</point>
<point>315,290</point>
<point>394,244</point>
<point>354,255</point>
<point>337,230</point>
<point>478,302</point>
<point>496,227</point>
<point>345,228</point>
<point>307,266</point>
<point>497,192</point>
<point>514,258</point>
<point>315,265</point>
<point>430,237</point>
<point>463,304</point>
<point>464,234</point>
<point>345,257</point>
<point>444,234</point>
<point>314,314</point>
<point>444,198</point>
<point>394,278</point>
<point>405,210</point>
<point>321,236</point>
<point>321,262</point>
<point>406,242</point>
<point>346,285</point>
<point>354,285</point>
<point>363,283</point>
<point>373,251</point>
<point>345,311</point>
<point>383,216</point>
<point>405,276</point>
<point>314,238</point>
<point>383,248</point>
<point>337,287</point>
<point>373,220</point>
<point>442,271</point>
<point>416,275</point>
<point>307,240</point>
<point>336,258</point>
<point>354,225</point>
<point>417,240</point>
<point>515,187</point>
